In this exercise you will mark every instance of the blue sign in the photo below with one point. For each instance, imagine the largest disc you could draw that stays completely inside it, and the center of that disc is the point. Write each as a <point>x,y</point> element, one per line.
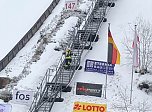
<point>5,108</point>
<point>99,66</point>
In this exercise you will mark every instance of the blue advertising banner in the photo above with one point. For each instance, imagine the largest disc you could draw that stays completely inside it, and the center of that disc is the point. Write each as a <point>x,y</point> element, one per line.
<point>99,66</point>
<point>5,108</point>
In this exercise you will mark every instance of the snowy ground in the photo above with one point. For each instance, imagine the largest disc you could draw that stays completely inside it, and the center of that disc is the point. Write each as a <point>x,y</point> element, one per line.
<point>122,20</point>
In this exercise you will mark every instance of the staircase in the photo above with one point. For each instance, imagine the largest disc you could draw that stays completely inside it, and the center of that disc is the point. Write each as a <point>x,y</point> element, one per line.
<point>50,90</point>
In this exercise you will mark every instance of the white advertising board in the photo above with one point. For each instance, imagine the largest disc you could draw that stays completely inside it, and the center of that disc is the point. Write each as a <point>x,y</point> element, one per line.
<point>23,97</point>
<point>71,5</point>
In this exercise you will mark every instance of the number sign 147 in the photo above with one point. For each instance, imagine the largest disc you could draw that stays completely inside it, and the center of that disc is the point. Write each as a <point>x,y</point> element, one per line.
<point>71,5</point>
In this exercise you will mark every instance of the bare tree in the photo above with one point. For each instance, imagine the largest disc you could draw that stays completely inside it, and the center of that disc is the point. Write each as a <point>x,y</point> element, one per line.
<point>144,29</point>
<point>122,102</point>
<point>143,106</point>
<point>144,32</point>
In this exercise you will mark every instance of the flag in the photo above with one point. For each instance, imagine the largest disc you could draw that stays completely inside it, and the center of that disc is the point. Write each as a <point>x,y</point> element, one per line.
<point>135,41</point>
<point>113,52</point>
<point>135,51</point>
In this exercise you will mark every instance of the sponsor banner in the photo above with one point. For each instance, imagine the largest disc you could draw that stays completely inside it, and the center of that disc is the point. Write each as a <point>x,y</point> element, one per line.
<point>89,107</point>
<point>23,97</point>
<point>71,5</point>
<point>99,66</point>
<point>5,108</point>
<point>89,89</point>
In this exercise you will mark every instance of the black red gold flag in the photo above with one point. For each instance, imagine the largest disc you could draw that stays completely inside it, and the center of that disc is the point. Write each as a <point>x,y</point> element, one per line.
<point>113,52</point>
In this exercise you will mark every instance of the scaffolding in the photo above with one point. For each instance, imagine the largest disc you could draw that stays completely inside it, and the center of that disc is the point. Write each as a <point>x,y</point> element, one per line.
<point>50,91</point>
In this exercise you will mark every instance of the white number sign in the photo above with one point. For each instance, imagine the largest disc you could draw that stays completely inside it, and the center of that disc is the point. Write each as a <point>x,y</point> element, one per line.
<point>71,4</point>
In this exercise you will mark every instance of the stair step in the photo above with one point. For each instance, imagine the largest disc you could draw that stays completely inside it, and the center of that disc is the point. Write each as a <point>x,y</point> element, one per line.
<point>66,89</point>
<point>50,100</point>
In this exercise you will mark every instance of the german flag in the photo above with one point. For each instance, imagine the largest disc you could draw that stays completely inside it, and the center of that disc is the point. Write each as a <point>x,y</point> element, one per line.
<point>113,52</point>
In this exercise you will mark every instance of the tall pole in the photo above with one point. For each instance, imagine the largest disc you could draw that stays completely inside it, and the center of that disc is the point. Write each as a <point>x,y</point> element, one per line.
<point>106,79</point>
<point>106,72</point>
<point>132,68</point>
<point>131,84</point>
<point>143,54</point>
<point>139,55</point>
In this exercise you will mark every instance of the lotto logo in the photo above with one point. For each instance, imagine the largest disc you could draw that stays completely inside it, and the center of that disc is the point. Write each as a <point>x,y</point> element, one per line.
<point>89,107</point>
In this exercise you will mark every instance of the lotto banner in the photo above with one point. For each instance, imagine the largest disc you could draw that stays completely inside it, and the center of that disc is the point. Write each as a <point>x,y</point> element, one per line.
<point>89,107</point>
<point>99,66</point>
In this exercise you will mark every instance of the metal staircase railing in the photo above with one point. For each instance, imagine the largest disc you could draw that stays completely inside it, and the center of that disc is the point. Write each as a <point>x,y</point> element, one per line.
<point>39,96</point>
<point>51,89</point>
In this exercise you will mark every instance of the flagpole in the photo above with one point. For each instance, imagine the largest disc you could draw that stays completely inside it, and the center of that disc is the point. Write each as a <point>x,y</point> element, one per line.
<point>106,80</point>
<point>132,71</point>
<point>131,85</point>
<point>106,72</point>
<point>139,55</point>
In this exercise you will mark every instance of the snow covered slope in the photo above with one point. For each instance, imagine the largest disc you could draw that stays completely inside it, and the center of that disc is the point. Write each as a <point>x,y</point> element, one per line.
<point>17,17</point>
<point>122,18</point>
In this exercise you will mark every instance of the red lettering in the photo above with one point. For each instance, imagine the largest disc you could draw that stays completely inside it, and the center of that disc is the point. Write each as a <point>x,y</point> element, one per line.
<point>66,5</point>
<point>82,88</point>
<point>75,106</point>
<point>73,4</point>
<point>97,108</point>
<point>89,108</point>
<point>69,6</point>
<point>84,107</point>
<point>102,109</point>
<point>94,108</point>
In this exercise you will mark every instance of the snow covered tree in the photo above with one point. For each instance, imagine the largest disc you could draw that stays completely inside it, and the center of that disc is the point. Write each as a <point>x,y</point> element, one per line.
<point>144,32</point>
<point>144,29</point>
<point>143,106</point>
<point>122,102</point>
